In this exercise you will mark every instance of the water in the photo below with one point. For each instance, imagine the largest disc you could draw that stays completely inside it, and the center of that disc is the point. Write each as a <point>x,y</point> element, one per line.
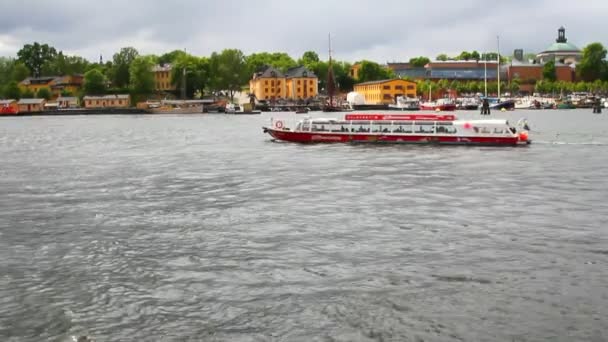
<point>199,228</point>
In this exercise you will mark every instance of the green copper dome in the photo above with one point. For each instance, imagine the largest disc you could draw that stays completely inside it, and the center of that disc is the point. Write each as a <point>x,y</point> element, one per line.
<point>556,47</point>
<point>561,43</point>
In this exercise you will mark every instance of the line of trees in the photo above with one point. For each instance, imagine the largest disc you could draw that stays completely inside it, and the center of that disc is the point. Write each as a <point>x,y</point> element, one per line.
<point>227,71</point>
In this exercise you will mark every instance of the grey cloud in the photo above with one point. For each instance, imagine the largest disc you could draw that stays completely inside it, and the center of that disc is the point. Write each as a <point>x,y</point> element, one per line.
<point>389,30</point>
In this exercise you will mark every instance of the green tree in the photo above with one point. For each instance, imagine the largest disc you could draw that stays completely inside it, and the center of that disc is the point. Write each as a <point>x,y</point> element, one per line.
<point>44,93</point>
<point>308,58</point>
<point>475,56</point>
<point>229,71</point>
<point>419,62</point>
<point>27,94</point>
<point>6,69</point>
<point>120,66</point>
<point>141,75</point>
<point>442,57</point>
<point>342,73</point>
<point>514,85</point>
<point>12,91</point>
<point>64,65</point>
<point>372,71</point>
<point>171,57</point>
<point>20,72</point>
<point>94,82</point>
<point>279,60</point>
<point>592,63</point>
<point>464,56</point>
<point>35,55</point>
<point>197,74</point>
<point>549,71</point>
<point>66,93</point>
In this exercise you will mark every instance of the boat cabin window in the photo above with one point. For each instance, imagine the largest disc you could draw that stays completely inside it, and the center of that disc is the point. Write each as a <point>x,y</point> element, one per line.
<point>424,127</point>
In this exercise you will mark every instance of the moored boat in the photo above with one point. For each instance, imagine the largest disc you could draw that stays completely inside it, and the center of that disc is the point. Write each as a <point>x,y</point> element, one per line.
<point>441,105</point>
<point>405,103</point>
<point>401,129</point>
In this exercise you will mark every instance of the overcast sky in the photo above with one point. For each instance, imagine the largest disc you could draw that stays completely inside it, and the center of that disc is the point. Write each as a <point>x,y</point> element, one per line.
<point>382,30</point>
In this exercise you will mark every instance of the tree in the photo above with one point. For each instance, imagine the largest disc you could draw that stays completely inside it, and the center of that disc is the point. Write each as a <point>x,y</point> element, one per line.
<point>442,57</point>
<point>372,71</point>
<point>44,93</point>
<point>12,91</point>
<point>64,65</point>
<point>94,82</point>
<point>141,75</point>
<point>6,69</point>
<point>35,55</point>
<point>121,64</point>
<point>171,57</point>
<point>592,63</point>
<point>27,94</point>
<point>514,85</point>
<point>464,56</point>
<point>308,58</point>
<point>476,56</point>
<point>66,93</point>
<point>229,71</point>
<point>279,60</point>
<point>197,74</point>
<point>549,71</point>
<point>20,72</point>
<point>419,62</point>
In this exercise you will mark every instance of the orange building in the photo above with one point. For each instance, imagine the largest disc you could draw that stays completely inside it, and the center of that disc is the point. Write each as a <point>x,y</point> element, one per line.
<point>272,84</point>
<point>107,101</point>
<point>162,78</point>
<point>31,105</point>
<point>55,84</point>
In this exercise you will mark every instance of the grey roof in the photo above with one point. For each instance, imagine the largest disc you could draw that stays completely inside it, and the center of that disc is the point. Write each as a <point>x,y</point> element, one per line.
<point>31,101</point>
<point>7,102</point>
<point>268,73</point>
<point>67,98</point>
<point>299,71</point>
<point>38,80</point>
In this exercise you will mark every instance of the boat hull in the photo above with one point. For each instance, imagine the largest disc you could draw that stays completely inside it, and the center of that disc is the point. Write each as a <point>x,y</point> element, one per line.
<point>441,108</point>
<point>345,137</point>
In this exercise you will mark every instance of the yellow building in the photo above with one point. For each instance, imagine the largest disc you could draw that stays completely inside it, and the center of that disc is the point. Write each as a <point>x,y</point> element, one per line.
<point>296,83</point>
<point>107,101</point>
<point>55,84</point>
<point>354,71</point>
<point>385,91</point>
<point>162,78</point>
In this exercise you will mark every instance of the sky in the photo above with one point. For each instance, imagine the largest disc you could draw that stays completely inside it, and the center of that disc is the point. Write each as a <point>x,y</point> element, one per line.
<point>381,31</point>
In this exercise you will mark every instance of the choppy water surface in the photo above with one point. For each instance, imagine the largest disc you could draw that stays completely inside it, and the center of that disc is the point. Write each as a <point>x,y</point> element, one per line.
<point>199,228</point>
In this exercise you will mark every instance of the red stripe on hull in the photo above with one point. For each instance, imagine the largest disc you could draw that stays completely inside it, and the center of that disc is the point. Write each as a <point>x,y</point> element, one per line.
<point>315,137</point>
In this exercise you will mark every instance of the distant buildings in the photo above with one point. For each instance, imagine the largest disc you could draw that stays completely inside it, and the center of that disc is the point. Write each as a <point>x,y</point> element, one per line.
<point>56,84</point>
<point>526,72</point>
<point>385,91</point>
<point>296,83</point>
<point>162,78</point>
<point>107,101</point>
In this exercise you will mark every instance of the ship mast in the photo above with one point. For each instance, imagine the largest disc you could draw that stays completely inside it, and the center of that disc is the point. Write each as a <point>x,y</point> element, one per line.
<point>498,64</point>
<point>330,76</point>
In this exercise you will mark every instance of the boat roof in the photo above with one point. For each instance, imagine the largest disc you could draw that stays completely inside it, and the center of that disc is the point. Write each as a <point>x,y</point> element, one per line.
<point>488,122</point>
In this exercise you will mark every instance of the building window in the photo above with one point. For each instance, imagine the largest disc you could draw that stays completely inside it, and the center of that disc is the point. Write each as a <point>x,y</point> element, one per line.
<point>387,96</point>
<point>311,90</point>
<point>398,87</point>
<point>278,83</point>
<point>97,102</point>
<point>272,83</point>
<point>298,89</point>
<point>265,90</point>
<point>311,82</point>
<point>298,82</point>
<point>410,87</point>
<point>266,82</point>
<point>387,87</point>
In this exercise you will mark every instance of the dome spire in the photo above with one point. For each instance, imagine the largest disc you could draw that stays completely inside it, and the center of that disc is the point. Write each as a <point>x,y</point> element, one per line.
<point>561,35</point>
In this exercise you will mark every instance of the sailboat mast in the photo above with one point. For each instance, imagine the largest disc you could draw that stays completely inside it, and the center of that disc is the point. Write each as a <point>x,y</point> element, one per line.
<point>330,87</point>
<point>498,64</point>
<point>485,74</point>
